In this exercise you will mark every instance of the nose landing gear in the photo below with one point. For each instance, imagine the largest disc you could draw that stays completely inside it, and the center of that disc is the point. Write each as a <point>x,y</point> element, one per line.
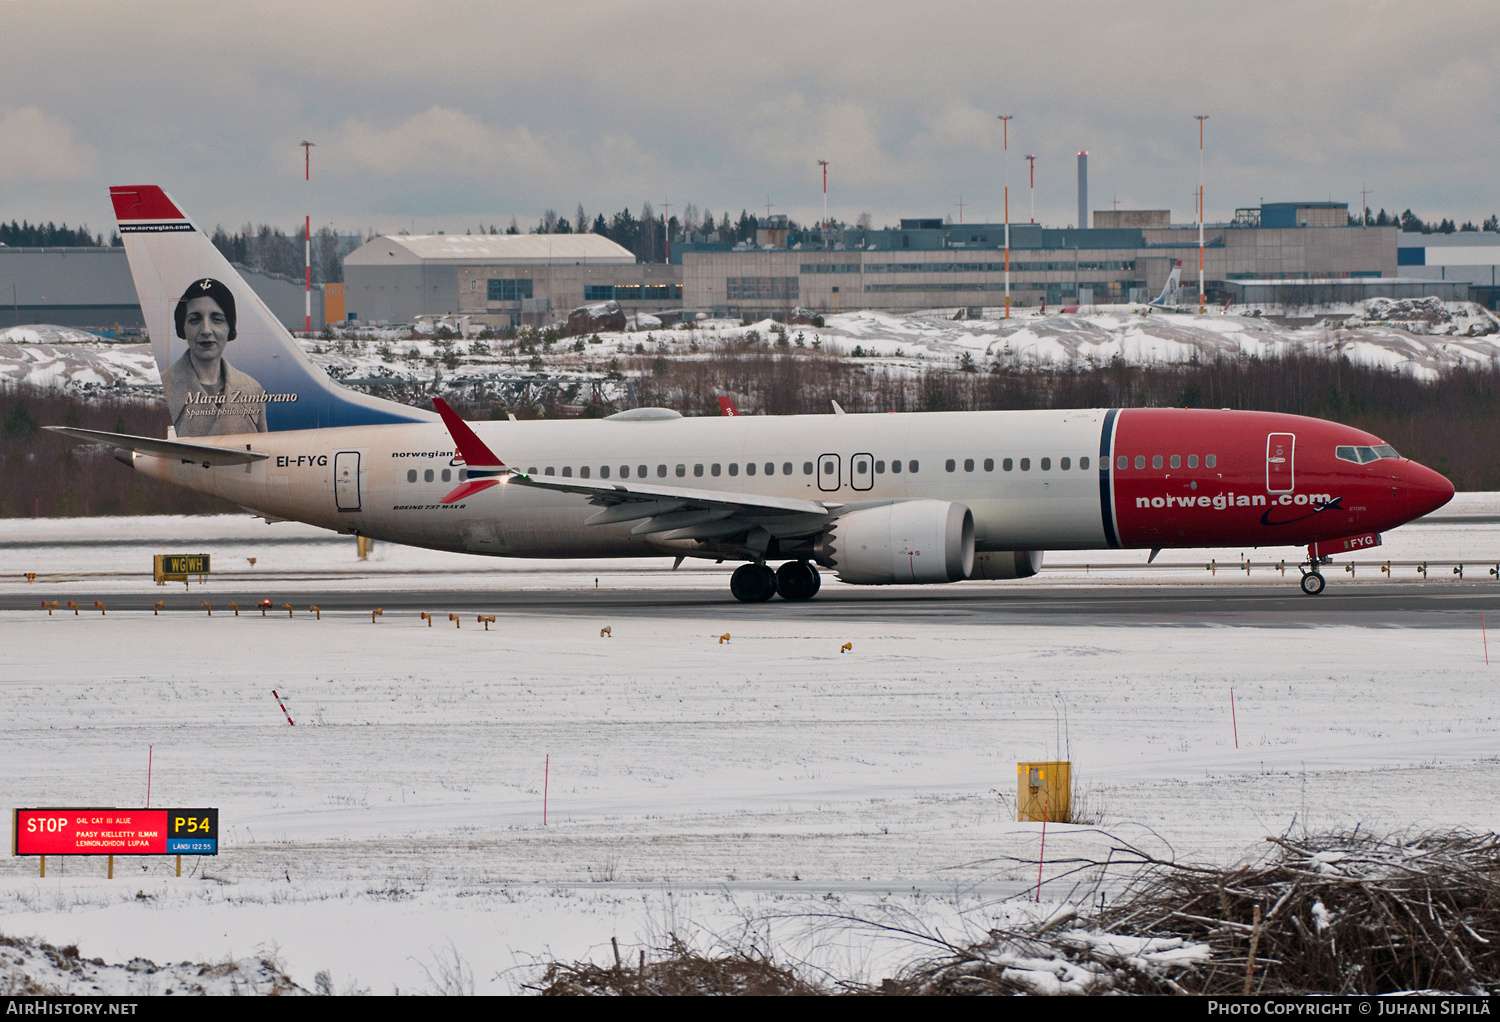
<point>757,583</point>
<point>1312,579</point>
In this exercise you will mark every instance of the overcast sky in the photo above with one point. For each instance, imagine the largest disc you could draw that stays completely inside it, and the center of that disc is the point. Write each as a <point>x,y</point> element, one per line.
<point>452,113</point>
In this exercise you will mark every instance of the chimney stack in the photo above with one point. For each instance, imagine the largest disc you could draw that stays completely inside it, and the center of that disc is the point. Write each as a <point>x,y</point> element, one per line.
<point>1083,189</point>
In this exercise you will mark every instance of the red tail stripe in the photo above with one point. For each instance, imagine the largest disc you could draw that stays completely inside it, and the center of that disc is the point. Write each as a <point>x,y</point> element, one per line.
<point>143,202</point>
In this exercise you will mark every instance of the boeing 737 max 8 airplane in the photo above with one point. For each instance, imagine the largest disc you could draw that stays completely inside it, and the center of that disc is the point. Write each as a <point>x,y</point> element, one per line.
<point>932,497</point>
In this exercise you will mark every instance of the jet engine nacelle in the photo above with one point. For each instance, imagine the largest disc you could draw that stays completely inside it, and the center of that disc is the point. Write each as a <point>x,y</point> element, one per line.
<point>912,541</point>
<point>1003,565</point>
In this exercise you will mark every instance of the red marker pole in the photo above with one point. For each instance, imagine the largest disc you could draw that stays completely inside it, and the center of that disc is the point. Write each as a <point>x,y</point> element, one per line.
<point>281,704</point>
<point>307,237</point>
<point>1233,719</point>
<point>546,776</point>
<point>1042,855</point>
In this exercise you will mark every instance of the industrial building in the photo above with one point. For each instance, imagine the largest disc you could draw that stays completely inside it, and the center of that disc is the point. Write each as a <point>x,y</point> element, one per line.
<point>505,279</point>
<point>92,288</point>
<point>928,263</point>
<point>1472,257</point>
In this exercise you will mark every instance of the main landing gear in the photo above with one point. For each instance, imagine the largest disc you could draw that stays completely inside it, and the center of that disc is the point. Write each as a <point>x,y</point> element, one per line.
<point>757,583</point>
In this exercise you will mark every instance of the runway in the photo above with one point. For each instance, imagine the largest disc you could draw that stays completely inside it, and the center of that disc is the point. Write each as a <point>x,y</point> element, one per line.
<point>1407,604</point>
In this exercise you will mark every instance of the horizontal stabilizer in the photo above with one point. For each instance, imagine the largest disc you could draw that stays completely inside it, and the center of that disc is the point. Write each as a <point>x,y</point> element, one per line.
<point>200,453</point>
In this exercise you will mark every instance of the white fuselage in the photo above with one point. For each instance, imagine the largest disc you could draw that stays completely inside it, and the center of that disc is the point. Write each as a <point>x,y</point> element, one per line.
<point>393,476</point>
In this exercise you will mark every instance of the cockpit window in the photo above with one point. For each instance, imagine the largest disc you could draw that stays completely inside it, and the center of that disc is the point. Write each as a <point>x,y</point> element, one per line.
<point>1365,455</point>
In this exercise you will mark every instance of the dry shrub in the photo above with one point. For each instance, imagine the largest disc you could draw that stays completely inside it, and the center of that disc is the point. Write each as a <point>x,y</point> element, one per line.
<point>1340,913</point>
<point>681,973</point>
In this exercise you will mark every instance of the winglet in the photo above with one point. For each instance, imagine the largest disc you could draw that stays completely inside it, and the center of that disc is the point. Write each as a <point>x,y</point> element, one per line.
<point>726,406</point>
<point>470,447</point>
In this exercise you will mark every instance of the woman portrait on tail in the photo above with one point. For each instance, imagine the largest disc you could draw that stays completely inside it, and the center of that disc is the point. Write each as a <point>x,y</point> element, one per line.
<point>207,396</point>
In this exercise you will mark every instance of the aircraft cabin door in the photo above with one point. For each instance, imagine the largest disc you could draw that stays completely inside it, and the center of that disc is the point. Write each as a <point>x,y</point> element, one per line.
<point>346,480</point>
<point>861,471</point>
<point>1280,449</point>
<point>829,472</point>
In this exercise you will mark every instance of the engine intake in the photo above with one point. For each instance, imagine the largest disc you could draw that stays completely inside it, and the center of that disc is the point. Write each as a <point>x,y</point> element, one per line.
<point>909,542</point>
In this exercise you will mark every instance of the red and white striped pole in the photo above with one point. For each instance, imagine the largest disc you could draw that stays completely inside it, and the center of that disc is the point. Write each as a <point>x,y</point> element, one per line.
<point>281,704</point>
<point>307,228</point>
<point>824,165</point>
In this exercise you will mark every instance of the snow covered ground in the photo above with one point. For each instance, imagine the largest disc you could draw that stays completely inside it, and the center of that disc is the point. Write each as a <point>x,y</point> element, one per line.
<point>761,788</point>
<point>1421,337</point>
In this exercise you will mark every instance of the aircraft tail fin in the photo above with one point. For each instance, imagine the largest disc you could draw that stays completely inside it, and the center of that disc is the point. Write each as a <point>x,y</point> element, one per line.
<point>227,364</point>
<point>1171,293</point>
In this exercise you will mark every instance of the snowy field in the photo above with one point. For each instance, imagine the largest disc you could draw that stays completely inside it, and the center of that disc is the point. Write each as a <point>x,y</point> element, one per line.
<point>1421,337</point>
<point>765,787</point>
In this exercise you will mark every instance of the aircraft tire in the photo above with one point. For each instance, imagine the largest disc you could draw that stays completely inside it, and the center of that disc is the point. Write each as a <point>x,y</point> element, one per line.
<point>1312,583</point>
<point>753,583</point>
<point>797,580</point>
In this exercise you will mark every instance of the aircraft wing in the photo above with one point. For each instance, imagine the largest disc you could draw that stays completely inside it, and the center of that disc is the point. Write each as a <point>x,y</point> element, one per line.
<point>681,512</point>
<point>204,454</point>
<point>666,512</point>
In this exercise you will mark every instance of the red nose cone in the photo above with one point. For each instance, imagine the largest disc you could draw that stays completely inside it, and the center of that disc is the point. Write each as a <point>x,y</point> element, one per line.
<point>1425,490</point>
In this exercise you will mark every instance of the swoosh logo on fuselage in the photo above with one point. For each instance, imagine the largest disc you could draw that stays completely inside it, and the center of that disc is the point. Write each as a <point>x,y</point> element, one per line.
<point>1336,504</point>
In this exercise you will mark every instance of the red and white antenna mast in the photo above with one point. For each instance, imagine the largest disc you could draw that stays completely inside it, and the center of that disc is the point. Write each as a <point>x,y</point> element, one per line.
<point>307,232</point>
<point>824,165</point>
<point>1032,160</point>
<point>1201,298</point>
<point>1005,142</point>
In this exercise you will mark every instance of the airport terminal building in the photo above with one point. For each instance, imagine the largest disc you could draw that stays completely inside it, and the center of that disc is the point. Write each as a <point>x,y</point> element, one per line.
<point>1125,256</point>
<point>928,264</point>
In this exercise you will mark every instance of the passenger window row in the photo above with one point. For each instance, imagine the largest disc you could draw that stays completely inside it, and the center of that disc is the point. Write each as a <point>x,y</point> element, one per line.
<point>428,475</point>
<point>1009,464</point>
<point>1175,461</point>
<point>770,468</point>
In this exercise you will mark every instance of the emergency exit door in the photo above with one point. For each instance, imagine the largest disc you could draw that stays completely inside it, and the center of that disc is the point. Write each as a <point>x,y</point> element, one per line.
<point>829,474</point>
<point>346,480</point>
<point>1280,449</point>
